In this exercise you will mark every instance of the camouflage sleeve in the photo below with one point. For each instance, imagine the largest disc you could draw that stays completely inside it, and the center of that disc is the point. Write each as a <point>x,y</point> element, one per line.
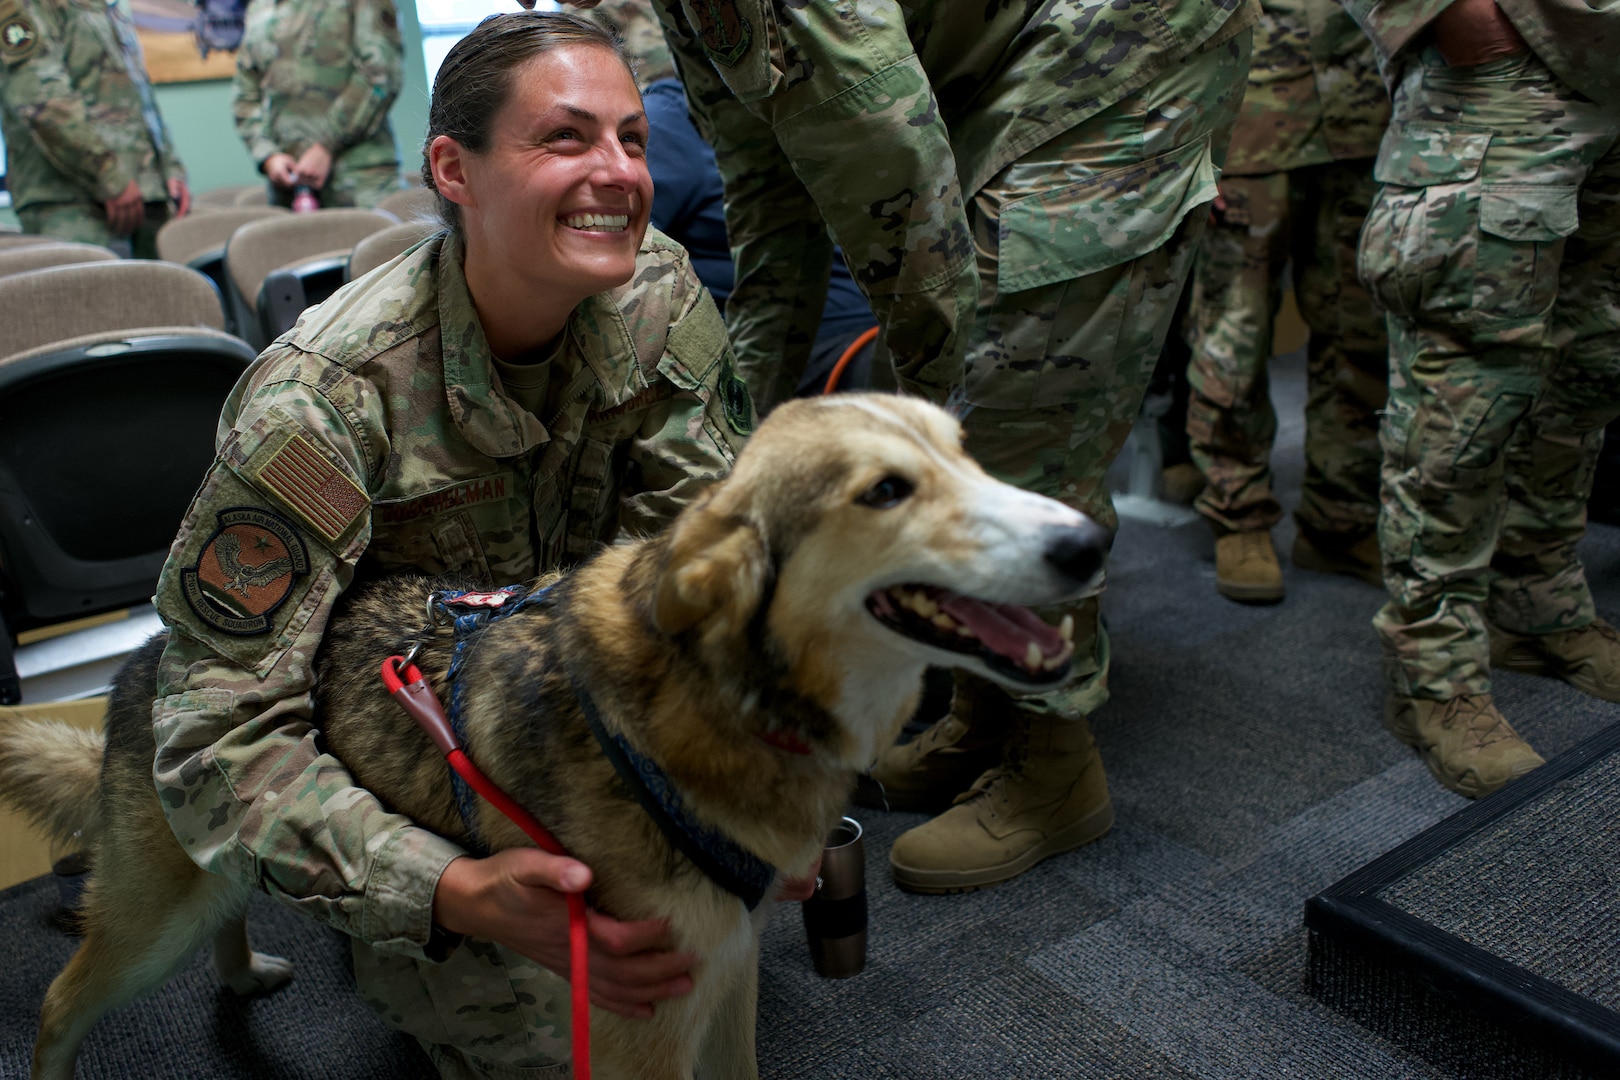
<point>833,88</point>
<point>691,440</point>
<point>1393,24</point>
<point>248,107</point>
<point>38,90</point>
<point>267,546</point>
<point>374,81</point>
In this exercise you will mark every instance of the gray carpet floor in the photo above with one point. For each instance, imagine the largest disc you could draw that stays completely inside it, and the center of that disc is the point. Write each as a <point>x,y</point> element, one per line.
<point>1249,771</point>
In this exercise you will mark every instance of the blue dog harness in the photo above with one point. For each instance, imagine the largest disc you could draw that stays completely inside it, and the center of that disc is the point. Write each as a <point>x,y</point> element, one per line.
<point>725,862</point>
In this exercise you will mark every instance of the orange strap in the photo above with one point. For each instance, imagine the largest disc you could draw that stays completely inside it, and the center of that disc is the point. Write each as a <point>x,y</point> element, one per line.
<point>848,357</point>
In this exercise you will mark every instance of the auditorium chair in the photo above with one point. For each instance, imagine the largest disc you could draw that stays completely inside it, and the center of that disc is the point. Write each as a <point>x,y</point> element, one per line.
<point>380,247</point>
<point>229,196</point>
<point>18,260</point>
<point>62,302</point>
<point>281,265</point>
<point>103,441</point>
<point>198,241</point>
<point>411,204</point>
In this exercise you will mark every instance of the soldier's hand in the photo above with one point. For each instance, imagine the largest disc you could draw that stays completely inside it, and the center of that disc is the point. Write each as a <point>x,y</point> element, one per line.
<point>126,212</point>
<point>281,170</point>
<point>181,194</point>
<point>314,166</point>
<point>515,897</point>
<point>1474,32</point>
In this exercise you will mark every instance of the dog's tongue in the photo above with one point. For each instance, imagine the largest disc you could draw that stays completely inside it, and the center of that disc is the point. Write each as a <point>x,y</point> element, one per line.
<point>1004,628</point>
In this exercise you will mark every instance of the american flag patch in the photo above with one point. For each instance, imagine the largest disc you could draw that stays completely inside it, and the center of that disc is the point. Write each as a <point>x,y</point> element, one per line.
<point>313,488</point>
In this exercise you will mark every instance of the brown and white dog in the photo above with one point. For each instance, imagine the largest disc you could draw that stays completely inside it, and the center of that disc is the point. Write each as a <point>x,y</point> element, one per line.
<point>761,652</point>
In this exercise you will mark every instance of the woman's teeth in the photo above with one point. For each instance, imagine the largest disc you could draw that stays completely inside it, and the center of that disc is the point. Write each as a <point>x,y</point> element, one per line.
<point>598,222</point>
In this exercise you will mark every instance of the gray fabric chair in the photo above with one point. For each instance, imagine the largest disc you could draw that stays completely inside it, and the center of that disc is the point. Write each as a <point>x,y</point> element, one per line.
<point>310,252</point>
<point>380,247</point>
<point>18,260</point>
<point>228,196</point>
<point>20,239</point>
<point>62,302</point>
<point>411,204</point>
<point>198,241</point>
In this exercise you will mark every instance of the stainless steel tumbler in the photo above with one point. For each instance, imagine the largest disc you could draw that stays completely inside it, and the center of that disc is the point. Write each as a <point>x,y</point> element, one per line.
<point>835,916</point>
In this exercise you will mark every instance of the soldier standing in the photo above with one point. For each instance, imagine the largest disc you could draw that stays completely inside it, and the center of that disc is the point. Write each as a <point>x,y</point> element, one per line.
<point>1018,189</point>
<point>1494,247</point>
<point>1297,183</point>
<point>314,82</point>
<point>88,157</point>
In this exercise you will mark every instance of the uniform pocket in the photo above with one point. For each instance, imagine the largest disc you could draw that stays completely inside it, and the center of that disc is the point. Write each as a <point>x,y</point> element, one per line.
<point>1110,219</point>
<point>1521,240</point>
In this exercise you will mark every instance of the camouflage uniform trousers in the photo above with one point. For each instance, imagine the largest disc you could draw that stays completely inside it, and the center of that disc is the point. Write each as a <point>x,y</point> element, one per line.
<point>1056,373</point>
<point>1494,246</point>
<point>1312,215</point>
<point>86,223</point>
<point>364,187</point>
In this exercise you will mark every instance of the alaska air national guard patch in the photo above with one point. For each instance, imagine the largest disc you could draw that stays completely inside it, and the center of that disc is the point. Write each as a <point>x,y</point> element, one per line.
<point>725,33</point>
<point>246,571</point>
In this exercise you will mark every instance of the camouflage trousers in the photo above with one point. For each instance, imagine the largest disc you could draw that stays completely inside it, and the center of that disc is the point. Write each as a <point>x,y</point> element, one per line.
<point>363,187</point>
<point>1494,246</point>
<point>1064,345</point>
<point>1313,216</point>
<point>86,223</point>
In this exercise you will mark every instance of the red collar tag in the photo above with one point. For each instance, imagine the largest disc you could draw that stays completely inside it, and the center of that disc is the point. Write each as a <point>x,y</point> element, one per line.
<point>786,740</point>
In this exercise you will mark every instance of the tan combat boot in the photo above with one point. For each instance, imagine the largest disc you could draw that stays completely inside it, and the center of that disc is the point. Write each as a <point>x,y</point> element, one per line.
<point>1465,742</point>
<point>1354,555</point>
<point>931,770</point>
<point>1587,658</point>
<point>1246,568</point>
<point>1048,796</point>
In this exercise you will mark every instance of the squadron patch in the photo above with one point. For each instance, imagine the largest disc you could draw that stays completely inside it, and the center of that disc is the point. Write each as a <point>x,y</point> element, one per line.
<point>18,38</point>
<point>246,571</point>
<point>723,30</point>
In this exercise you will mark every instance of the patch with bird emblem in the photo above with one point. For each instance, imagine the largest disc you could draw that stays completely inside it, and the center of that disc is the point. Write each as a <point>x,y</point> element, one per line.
<point>18,38</point>
<point>725,33</point>
<point>246,570</point>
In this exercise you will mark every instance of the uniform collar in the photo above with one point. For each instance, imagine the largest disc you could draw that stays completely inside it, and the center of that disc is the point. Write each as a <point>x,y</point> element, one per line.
<point>596,336</point>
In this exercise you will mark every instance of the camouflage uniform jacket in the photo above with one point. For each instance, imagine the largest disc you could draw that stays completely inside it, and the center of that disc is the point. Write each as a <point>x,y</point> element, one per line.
<point>881,117</point>
<point>1313,95</point>
<point>76,107</point>
<point>374,437</point>
<point>1578,39</point>
<point>319,71</point>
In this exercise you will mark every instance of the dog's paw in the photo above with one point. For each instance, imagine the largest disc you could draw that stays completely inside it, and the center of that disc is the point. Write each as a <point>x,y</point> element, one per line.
<point>263,974</point>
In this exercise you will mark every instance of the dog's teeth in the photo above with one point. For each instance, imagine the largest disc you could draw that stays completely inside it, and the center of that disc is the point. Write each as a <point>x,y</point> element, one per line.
<point>945,622</point>
<point>1032,656</point>
<point>961,631</point>
<point>924,606</point>
<point>1066,628</point>
<point>1052,663</point>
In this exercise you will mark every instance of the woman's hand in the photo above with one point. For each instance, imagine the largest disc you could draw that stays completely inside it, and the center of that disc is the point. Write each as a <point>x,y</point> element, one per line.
<point>1473,32</point>
<point>181,196</point>
<point>515,897</point>
<point>126,211</point>
<point>281,170</point>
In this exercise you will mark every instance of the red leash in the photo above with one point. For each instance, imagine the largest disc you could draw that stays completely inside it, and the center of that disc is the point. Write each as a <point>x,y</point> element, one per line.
<point>417,698</point>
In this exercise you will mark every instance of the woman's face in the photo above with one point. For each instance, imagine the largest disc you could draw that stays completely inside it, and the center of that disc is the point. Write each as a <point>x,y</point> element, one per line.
<point>562,196</point>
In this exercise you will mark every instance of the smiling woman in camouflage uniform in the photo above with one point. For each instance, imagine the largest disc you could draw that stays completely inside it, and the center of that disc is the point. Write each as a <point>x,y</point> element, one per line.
<point>314,82</point>
<point>497,402</point>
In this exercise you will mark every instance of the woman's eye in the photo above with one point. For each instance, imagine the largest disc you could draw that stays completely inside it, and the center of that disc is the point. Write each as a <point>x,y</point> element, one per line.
<point>887,492</point>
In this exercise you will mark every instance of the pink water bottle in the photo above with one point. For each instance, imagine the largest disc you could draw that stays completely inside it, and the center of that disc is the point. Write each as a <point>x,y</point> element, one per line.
<point>304,200</point>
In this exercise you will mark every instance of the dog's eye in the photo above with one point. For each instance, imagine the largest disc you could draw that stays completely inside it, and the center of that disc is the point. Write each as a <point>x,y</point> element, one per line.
<point>887,492</point>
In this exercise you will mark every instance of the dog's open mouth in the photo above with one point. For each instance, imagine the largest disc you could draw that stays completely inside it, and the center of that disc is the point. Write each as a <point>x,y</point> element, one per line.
<point>1012,640</point>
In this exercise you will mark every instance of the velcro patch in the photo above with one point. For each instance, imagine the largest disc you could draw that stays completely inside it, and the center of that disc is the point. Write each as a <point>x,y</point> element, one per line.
<point>723,30</point>
<point>245,571</point>
<point>315,490</point>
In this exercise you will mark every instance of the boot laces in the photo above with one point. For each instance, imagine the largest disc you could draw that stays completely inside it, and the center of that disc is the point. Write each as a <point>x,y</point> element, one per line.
<point>1475,714</point>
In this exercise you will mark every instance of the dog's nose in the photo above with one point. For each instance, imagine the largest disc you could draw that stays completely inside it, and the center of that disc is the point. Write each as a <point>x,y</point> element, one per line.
<point>1078,551</point>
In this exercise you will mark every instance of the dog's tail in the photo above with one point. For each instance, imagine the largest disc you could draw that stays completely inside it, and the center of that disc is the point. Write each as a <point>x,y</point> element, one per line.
<point>50,772</point>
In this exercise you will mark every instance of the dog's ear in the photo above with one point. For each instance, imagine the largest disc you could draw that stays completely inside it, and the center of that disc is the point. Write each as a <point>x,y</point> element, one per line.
<point>716,572</point>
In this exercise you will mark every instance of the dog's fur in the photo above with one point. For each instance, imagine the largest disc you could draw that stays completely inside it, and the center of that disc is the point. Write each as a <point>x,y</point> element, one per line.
<point>759,611</point>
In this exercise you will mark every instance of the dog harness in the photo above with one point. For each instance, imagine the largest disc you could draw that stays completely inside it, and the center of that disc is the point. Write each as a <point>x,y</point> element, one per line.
<point>726,863</point>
